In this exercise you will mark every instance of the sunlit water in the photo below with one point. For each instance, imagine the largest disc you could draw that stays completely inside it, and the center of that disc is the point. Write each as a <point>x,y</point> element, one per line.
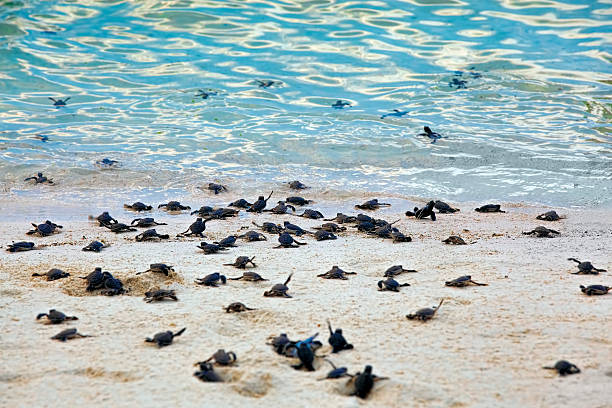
<point>530,121</point>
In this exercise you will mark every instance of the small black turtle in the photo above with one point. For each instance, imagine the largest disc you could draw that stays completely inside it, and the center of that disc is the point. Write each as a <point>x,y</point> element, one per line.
<point>549,216</point>
<point>463,281</point>
<point>212,280</point>
<point>207,373</point>
<point>454,240</point>
<point>259,205</point>
<point>426,212</point>
<point>398,236</point>
<point>196,228</point>
<point>342,218</point>
<point>330,227</point>
<point>55,317</point>
<point>298,200</point>
<point>59,102</point>
<point>174,206</point>
<point>281,208</point>
<point>161,268</point>
<point>372,205</point>
<point>306,356</point>
<point>324,235</point>
<point>150,235</point>
<point>119,228</point>
<point>40,179</point>
<point>95,280</point>
<point>164,339</point>
<point>489,208</point>
<point>237,307</point>
<point>458,83</point>
<point>107,163</point>
<point>425,313</point>
<point>45,229</point>
<point>396,270</point>
<point>396,112</point>
<point>222,357</point>
<point>312,214</point>
<point>146,222</point>
<point>337,340</point>
<point>564,367</point>
<point>159,295</point>
<point>138,206</point>
<point>434,136</point>
<point>211,248</point>
<point>444,208</point>
<point>223,213</point>
<point>279,342</point>
<point>340,104</point>
<point>250,276</point>
<point>542,232</point>
<point>20,246</point>
<point>594,289</point>
<point>585,268</point>
<point>279,290</point>
<point>68,334</point>
<point>253,236</point>
<point>362,382</point>
<point>205,94</point>
<point>390,284</point>
<point>286,241</point>
<point>216,188</point>
<point>241,203</point>
<point>241,262</point>
<point>266,83</point>
<point>336,372</point>
<point>204,211</point>
<point>112,285</point>
<point>227,242</point>
<point>53,274</point>
<point>336,273</point>
<point>269,227</point>
<point>296,185</point>
<point>294,229</point>
<point>104,218</point>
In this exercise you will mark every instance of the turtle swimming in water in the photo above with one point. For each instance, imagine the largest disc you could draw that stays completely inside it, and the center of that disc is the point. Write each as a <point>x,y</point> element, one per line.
<point>458,83</point>
<point>390,284</point>
<point>296,185</point>
<point>216,188</point>
<point>372,205</point>
<point>396,270</point>
<point>444,208</point>
<point>138,206</point>
<point>250,276</point>
<point>68,334</point>
<point>550,216</point>
<point>585,268</point>
<point>542,232</point>
<point>279,290</point>
<point>396,112</point>
<point>241,262</point>
<point>45,229</point>
<point>298,200</point>
<point>564,367</point>
<point>594,289</point>
<point>59,102</point>
<point>39,179</point>
<point>286,241</point>
<point>222,358</point>
<point>107,163</point>
<point>159,295</point>
<point>146,222</point>
<point>324,235</point>
<point>94,246</point>
<point>339,104</point>
<point>237,307</point>
<point>336,273</point>
<point>164,339</point>
<point>196,228</point>
<point>463,281</point>
<point>489,208</point>
<point>241,203</point>
<point>53,274</point>
<point>171,206</point>
<point>337,340</point>
<point>211,248</point>
<point>266,83</point>
<point>150,235</point>
<point>454,240</point>
<point>425,313</point>
<point>161,268</point>
<point>205,94</point>
<point>207,373</point>
<point>212,280</point>
<point>259,205</point>
<point>253,236</point>
<point>20,246</point>
<point>434,136</point>
<point>425,212</point>
<point>55,317</point>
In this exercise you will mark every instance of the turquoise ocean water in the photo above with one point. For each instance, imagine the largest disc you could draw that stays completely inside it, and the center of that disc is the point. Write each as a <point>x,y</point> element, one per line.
<point>521,92</point>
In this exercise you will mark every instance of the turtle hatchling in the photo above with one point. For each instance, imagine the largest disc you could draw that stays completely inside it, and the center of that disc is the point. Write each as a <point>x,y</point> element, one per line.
<point>336,372</point>
<point>241,262</point>
<point>337,340</point>
<point>207,373</point>
<point>564,367</point>
<point>426,212</point>
<point>241,203</point>
<point>222,358</point>
<point>296,185</point>
<point>279,290</point>
<point>59,102</point>
<point>159,295</point>
<point>342,218</point>
<point>138,206</point>
<point>94,246</point>
<point>396,270</point>
<point>196,228</point>
<point>286,241</point>
<point>253,236</point>
<point>489,208</point>
<point>433,136</point>
<point>237,307</point>
<point>444,208</point>
<point>265,83</point>
<point>53,274</point>
<point>594,289</point>
<point>119,228</point>
<point>146,222</point>
<point>542,232</point>
<point>550,216</point>
<point>174,206</point>
<point>95,280</point>
<point>39,179</point>
<point>20,246</point>
<point>211,248</point>
<point>324,235</point>
<point>150,235</point>
<point>454,240</point>
<point>298,200</point>
<point>161,268</point>
<point>372,205</point>
<point>104,218</point>
<point>45,229</point>
<point>227,242</point>
<point>281,208</point>
<point>259,205</point>
<point>425,313</point>
<point>212,279</point>
<point>396,112</point>
<point>463,281</point>
<point>336,273</point>
<point>68,334</point>
<point>312,214</point>
<point>340,104</point>
<point>585,268</point>
<point>330,227</point>
<point>250,276</point>
<point>55,317</point>
<point>390,284</point>
<point>164,339</point>
<point>269,227</point>
<point>216,188</point>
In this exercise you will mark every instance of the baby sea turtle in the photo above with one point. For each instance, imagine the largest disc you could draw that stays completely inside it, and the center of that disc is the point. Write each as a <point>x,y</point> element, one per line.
<point>266,83</point>
<point>253,236</point>
<point>204,211</point>
<point>159,295</point>
<point>211,248</point>
<point>260,204</point>
<point>454,240</point>
<point>372,205</point>
<point>296,185</point>
<point>161,268</point>
<point>564,367</point>
<point>211,280</point>
<point>250,276</point>
<point>337,340</point>
<point>279,290</point>
<point>306,356</point>
<point>59,102</point>
<point>279,342</point>
<point>104,218</point>
<point>594,289</point>
<point>223,213</point>
<point>53,274</point>
<point>222,358</point>
<point>164,339</point>
<point>312,214</point>
<point>431,134</point>
<point>138,206</point>
<point>298,200</point>
<point>94,246</point>
<point>295,229</point>
<point>458,83</point>
<point>396,270</point>
<point>150,235</point>
<point>216,188</point>
<point>55,316</point>
<point>463,281</point>
<point>45,229</point>
<point>336,372</point>
<point>549,216</point>
<point>281,208</point>
<point>444,208</point>
<point>146,222</point>
<point>241,262</point>
<point>112,285</point>
<point>396,112</point>
<point>68,334</point>
<point>241,203</point>
<point>342,218</point>
<point>542,232</point>
<point>340,104</point>
<point>390,284</point>
<point>362,383</point>
<point>95,280</point>
<point>119,227</point>
<point>425,212</point>
<point>336,273</point>
<point>324,235</point>
<point>237,307</point>
<point>227,242</point>
<point>20,246</point>
<point>330,227</point>
<point>269,227</point>
<point>174,206</point>
<point>40,179</point>
<point>425,313</point>
<point>207,373</point>
<point>107,163</point>
<point>489,208</point>
<point>286,241</point>
<point>585,268</point>
<point>205,94</point>
<point>400,237</point>
<point>196,228</point>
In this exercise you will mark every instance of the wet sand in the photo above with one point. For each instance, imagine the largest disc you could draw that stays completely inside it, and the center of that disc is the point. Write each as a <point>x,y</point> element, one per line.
<point>485,348</point>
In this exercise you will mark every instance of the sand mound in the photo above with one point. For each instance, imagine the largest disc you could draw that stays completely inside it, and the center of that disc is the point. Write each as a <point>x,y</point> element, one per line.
<point>253,384</point>
<point>135,285</point>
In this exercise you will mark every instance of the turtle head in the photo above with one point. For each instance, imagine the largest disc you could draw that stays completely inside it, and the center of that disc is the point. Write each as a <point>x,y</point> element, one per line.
<point>368,369</point>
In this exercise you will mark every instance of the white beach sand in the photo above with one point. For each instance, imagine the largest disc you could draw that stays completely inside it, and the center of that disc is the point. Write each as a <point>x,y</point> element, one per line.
<point>485,348</point>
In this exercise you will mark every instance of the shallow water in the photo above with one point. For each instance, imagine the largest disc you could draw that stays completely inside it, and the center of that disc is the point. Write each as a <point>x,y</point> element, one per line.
<point>532,123</point>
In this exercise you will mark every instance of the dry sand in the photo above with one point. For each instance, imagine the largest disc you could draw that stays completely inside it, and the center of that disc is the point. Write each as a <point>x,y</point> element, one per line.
<point>485,348</point>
